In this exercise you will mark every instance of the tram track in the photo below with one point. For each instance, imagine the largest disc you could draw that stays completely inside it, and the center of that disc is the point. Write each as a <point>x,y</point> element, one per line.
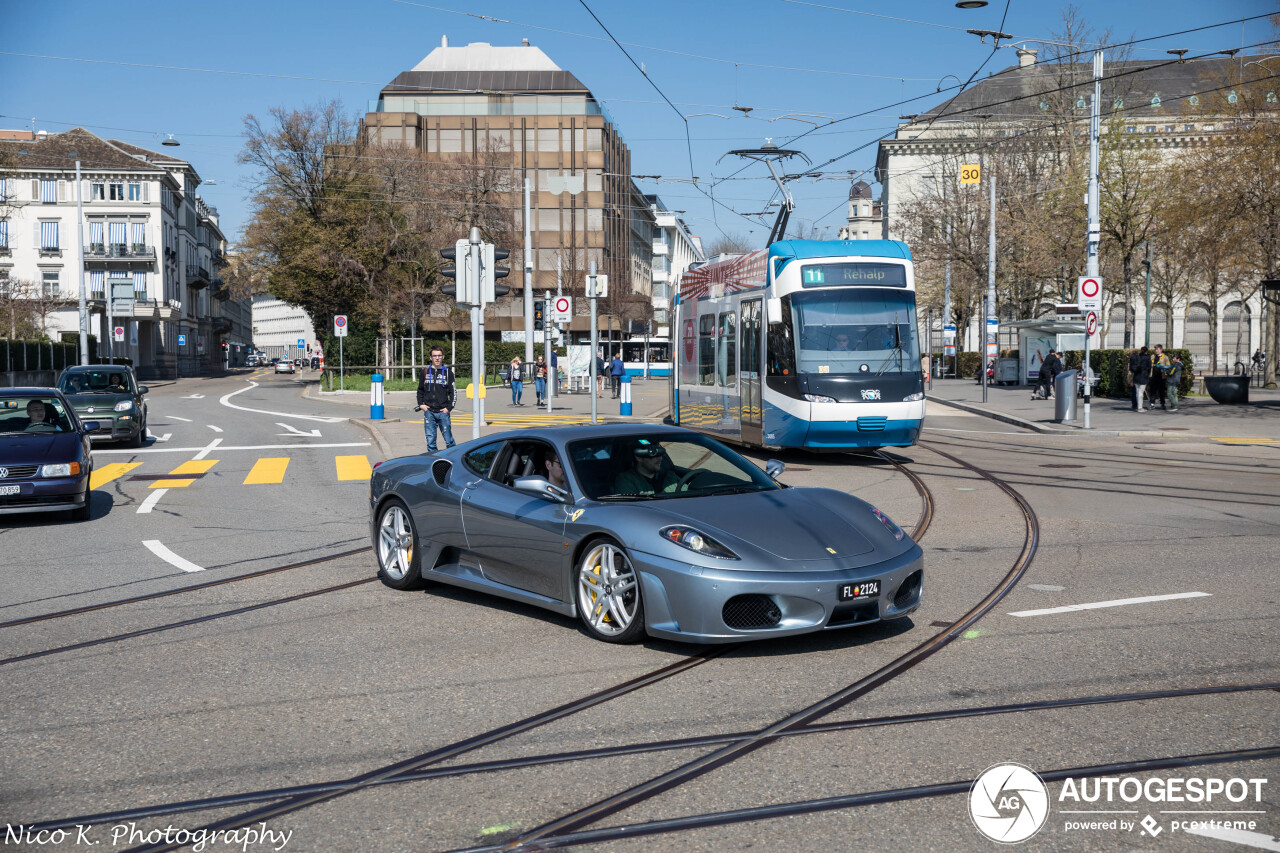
<point>644,748</point>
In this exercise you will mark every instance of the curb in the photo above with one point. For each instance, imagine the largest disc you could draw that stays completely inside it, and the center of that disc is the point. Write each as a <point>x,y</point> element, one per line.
<point>369,426</point>
<point>1048,430</point>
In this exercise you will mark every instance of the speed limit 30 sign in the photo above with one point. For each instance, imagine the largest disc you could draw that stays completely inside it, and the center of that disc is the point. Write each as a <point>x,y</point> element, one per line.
<point>1089,293</point>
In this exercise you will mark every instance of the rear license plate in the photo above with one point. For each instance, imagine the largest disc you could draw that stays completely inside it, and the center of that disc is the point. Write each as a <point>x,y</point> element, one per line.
<point>10,490</point>
<point>865,589</point>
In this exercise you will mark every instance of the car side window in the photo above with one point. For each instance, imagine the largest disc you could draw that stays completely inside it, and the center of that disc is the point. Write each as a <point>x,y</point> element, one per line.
<point>481,459</point>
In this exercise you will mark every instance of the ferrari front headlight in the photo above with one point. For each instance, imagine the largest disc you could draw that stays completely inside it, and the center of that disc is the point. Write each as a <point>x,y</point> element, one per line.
<point>696,541</point>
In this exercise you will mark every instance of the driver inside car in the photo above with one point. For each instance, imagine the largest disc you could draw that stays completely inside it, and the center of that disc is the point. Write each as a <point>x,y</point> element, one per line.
<point>649,474</point>
<point>38,417</point>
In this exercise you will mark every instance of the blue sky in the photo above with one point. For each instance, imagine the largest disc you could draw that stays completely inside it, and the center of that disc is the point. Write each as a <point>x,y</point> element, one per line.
<point>830,59</point>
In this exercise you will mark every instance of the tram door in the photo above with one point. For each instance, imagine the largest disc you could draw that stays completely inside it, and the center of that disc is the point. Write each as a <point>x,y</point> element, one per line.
<point>752,359</point>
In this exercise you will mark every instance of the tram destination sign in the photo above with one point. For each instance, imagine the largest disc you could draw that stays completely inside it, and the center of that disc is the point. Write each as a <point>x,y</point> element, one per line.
<point>828,275</point>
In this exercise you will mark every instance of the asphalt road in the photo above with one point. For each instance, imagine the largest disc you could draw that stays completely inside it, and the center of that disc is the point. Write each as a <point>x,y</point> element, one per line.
<point>340,683</point>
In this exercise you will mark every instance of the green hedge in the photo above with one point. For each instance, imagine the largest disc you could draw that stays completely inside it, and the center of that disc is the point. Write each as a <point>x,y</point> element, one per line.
<point>1112,369</point>
<point>37,355</point>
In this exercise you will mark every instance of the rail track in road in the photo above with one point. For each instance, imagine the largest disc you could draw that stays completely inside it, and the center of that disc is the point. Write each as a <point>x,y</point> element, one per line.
<point>295,799</point>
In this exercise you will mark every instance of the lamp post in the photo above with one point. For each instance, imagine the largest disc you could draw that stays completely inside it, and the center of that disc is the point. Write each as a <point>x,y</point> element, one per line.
<point>1146,326</point>
<point>83,301</point>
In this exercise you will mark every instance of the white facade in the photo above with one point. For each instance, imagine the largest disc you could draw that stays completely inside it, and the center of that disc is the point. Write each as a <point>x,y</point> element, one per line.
<point>278,326</point>
<point>149,247</point>
<point>863,221</point>
<point>674,251</point>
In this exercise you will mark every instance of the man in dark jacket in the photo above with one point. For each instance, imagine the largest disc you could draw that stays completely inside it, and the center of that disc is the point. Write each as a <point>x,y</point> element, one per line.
<point>616,369</point>
<point>1140,364</point>
<point>1049,370</point>
<point>1174,381</point>
<point>437,394</point>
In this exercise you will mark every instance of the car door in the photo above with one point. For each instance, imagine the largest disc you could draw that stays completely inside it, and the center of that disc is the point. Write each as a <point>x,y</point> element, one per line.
<point>518,537</point>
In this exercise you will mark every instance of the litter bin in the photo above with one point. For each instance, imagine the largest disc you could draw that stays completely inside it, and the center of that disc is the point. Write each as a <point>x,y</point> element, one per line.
<point>1064,395</point>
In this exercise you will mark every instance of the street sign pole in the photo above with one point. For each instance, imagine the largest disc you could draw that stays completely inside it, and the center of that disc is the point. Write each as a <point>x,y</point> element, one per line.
<point>546,352</point>
<point>477,336</point>
<point>595,342</point>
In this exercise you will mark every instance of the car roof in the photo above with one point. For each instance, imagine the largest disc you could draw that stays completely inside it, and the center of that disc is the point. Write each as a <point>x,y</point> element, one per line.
<point>566,433</point>
<point>84,368</point>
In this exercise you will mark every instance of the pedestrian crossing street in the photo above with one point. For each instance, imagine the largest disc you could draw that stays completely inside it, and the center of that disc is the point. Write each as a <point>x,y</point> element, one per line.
<point>265,471</point>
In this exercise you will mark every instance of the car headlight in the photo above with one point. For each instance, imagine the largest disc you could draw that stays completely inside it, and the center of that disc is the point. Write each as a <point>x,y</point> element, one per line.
<point>819,398</point>
<point>125,406</point>
<point>62,469</point>
<point>888,522</point>
<point>911,398</point>
<point>696,541</point>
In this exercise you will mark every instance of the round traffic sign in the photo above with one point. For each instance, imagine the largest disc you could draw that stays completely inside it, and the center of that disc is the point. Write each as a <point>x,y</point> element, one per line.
<point>339,321</point>
<point>1091,323</point>
<point>562,305</point>
<point>1089,288</point>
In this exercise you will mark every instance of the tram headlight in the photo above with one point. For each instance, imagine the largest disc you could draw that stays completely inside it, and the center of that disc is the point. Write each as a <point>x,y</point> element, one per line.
<point>911,398</point>
<point>694,540</point>
<point>819,398</point>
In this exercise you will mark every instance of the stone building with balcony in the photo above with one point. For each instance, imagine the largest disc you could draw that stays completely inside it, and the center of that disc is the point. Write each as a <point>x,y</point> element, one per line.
<point>674,251</point>
<point>150,249</point>
<point>512,108</point>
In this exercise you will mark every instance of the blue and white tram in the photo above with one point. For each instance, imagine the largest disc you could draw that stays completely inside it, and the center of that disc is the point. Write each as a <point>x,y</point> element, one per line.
<point>808,344</point>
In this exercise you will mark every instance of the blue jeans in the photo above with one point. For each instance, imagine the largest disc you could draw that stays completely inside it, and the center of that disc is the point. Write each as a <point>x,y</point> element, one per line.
<point>540,388</point>
<point>517,388</point>
<point>430,420</point>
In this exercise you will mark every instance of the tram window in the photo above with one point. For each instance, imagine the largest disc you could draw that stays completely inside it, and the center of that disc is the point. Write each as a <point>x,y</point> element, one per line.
<point>707,349</point>
<point>727,352</point>
<point>782,352</point>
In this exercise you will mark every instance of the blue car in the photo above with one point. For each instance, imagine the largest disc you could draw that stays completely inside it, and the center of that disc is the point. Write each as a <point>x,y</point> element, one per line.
<point>45,459</point>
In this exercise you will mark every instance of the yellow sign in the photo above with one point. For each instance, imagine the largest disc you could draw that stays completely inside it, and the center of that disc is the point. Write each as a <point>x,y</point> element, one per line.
<point>471,391</point>
<point>971,174</point>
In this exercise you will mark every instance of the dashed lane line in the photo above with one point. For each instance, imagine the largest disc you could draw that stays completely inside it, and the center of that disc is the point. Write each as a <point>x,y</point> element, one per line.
<point>353,467</point>
<point>1119,602</point>
<point>157,548</point>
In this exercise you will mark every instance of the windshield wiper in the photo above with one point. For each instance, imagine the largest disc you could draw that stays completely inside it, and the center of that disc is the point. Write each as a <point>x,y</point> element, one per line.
<point>896,350</point>
<point>626,497</point>
<point>736,490</point>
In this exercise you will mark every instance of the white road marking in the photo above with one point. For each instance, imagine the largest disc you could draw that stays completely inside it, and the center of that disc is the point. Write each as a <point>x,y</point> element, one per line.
<point>106,451</point>
<point>1238,836</point>
<point>176,418</point>
<point>1044,587</point>
<point>1119,602</point>
<point>151,500</point>
<point>194,397</point>
<point>157,548</point>
<point>214,428</point>
<point>165,437</point>
<point>225,400</point>
<point>295,431</point>
<point>207,450</point>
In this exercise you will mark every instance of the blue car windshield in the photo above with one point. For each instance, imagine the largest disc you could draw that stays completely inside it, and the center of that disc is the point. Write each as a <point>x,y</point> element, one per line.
<point>661,466</point>
<point>839,330</point>
<point>27,415</point>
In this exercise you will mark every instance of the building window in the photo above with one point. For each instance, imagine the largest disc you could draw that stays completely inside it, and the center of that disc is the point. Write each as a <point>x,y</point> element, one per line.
<point>595,219</point>
<point>115,192</point>
<point>139,236</point>
<point>49,280</point>
<point>595,139</point>
<point>1151,128</point>
<point>4,235</point>
<point>1208,127</point>
<point>548,140</point>
<point>135,192</point>
<point>48,236</point>
<point>549,220</point>
<point>49,192</point>
<point>450,141</point>
<point>1188,127</point>
<point>97,191</point>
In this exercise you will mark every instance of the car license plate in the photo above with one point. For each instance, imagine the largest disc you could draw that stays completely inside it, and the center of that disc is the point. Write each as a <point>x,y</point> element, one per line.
<point>865,589</point>
<point>10,490</point>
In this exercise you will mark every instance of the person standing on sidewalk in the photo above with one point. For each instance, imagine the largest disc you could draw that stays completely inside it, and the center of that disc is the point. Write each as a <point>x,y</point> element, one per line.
<point>601,370</point>
<point>437,394</point>
<point>1160,365</point>
<point>616,369</point>
<point>1174,381</point>
<point>1140,363</point>
<point>517,381</point>
<point>540,380</point>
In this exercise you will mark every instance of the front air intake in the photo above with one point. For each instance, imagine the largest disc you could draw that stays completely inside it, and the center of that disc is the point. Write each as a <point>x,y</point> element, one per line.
<point>872,424</point>
<point>745,612</point>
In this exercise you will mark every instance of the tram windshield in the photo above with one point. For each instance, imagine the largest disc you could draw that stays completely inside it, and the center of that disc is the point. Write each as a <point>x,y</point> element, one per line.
<point>855,330</point>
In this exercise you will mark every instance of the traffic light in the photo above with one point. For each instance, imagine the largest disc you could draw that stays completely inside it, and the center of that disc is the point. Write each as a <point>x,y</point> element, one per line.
<point>489,271</point>
<point>461,273</point>
<point>539,314</point>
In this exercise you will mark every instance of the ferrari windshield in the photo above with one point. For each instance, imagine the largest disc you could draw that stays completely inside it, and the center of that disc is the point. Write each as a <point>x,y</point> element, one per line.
<point>661,466</point>
<point>855,330</point>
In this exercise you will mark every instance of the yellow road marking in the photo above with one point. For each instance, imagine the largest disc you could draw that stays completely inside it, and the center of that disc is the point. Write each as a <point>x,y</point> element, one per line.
<point>267,470</point>
<point>353,467</point>
<point>195,466</point>
<point>1262,441</point>
<point>107,473</point>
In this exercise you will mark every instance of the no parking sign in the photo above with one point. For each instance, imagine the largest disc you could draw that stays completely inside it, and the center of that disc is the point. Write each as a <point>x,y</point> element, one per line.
<point>340,325</point>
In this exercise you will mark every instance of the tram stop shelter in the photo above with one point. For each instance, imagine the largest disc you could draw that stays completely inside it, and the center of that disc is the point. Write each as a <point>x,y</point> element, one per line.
<point>1037,337</point>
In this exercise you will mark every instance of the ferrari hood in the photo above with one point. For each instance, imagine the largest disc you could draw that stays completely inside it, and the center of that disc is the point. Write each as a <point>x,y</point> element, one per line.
<point>791,524</point>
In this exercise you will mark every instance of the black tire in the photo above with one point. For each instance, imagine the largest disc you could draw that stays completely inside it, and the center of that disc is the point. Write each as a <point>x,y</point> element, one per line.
<point>141,438</point>
<point>396,547</point>
<point>607,591</point>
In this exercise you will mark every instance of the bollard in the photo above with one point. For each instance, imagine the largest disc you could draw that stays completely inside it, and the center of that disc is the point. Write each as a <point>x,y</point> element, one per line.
<point>375,397</point>
<point>625,396</point>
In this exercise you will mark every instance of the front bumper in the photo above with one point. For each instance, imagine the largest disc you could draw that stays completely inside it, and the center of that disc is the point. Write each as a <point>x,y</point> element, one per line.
<point>112,427</point>
<point>49,494</point>
<point>687,603</point>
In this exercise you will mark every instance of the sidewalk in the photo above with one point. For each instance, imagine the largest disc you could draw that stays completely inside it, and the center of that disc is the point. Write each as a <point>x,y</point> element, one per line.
<point>400,432</point>
<point>1197,417</point>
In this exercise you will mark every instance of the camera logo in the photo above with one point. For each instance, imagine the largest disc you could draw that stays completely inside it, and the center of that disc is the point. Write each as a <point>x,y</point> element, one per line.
<point>1008,803</point>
